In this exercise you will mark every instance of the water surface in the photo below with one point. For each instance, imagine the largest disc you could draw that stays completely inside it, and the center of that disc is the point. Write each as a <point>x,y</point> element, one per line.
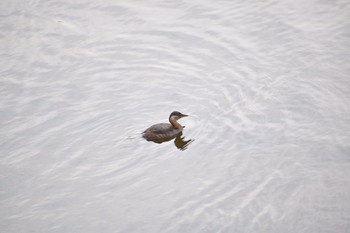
<point>266,85</point>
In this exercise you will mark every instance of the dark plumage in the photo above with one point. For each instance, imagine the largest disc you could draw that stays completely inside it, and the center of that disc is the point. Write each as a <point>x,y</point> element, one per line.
<point>165,131</point>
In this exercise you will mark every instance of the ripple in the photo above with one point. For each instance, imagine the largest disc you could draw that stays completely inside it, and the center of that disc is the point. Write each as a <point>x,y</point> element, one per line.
<point>265,85</point>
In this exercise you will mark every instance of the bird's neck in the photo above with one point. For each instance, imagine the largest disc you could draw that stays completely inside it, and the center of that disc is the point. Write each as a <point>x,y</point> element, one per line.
<point>174,123</point>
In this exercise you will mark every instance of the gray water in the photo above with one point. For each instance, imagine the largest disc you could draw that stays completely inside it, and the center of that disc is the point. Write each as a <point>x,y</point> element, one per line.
<point>266,147</point>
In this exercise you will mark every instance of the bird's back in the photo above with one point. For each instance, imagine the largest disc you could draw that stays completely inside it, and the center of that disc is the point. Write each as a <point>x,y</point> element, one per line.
<point>161,131</point>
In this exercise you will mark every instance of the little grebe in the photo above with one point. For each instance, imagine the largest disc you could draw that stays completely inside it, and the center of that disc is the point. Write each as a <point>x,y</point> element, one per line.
<point>165,131</point>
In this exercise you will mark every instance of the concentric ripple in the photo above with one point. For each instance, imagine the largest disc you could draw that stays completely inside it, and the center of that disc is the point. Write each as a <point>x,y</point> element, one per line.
<point>264,149</point>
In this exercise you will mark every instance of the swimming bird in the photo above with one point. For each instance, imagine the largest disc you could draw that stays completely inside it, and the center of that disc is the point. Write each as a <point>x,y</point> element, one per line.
<point>164,131</point>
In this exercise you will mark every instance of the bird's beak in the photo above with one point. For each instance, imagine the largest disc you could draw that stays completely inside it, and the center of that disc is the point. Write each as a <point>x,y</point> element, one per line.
<point>184,115</point>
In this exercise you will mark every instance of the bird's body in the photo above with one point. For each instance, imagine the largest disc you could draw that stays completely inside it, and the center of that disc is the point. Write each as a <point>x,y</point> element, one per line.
<point>165,131</point>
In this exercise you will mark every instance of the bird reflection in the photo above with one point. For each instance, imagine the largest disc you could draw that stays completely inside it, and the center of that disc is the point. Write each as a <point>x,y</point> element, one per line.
<point>180,142</point>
